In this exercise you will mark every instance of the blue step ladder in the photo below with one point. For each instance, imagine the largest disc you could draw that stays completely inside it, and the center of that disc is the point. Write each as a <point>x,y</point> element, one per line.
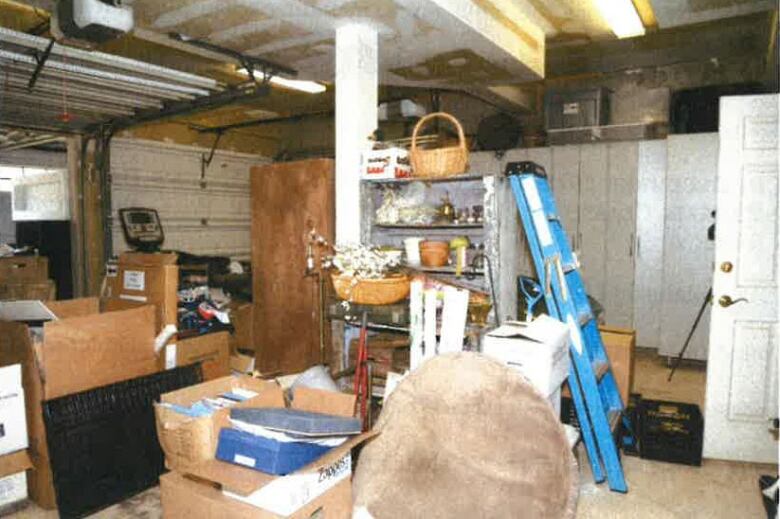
<point>592,384</point>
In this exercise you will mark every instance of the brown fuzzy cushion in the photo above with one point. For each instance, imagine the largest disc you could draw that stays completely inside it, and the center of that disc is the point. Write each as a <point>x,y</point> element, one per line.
<point>465,436</point>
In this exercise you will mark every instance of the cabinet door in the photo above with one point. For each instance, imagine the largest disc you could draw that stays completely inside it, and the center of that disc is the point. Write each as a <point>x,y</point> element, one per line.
<point>691,180</point>
<point>648,264</point>
<point>593,212</point>
<point>288,198</point>
<point>621,226</point>
<point>566,164</point>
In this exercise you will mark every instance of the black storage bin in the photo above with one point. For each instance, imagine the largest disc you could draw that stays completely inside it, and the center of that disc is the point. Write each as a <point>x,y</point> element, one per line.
<point>670,431</point>
<point>103,442</point>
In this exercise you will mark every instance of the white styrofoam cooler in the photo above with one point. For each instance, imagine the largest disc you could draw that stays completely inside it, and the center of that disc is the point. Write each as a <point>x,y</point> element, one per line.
<point>538,350</point>
<point>13,422</point>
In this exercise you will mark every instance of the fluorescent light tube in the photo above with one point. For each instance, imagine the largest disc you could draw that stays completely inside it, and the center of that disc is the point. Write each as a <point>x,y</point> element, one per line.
<point>310,87</point>
<point>622,17</point>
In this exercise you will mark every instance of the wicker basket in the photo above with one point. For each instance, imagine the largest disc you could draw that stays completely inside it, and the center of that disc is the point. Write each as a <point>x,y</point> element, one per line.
<point>441,162</point>
<point>383,291</point>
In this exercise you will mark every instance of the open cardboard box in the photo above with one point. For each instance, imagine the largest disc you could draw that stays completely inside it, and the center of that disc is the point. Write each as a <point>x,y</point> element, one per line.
<point>250,493</point>
<point>187,441</point>
<point>212,350</point>
<point>66,347</point>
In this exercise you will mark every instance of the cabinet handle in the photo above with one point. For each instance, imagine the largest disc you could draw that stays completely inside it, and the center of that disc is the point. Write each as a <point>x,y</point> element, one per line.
<point>638,246</point>
<point>631,247</point>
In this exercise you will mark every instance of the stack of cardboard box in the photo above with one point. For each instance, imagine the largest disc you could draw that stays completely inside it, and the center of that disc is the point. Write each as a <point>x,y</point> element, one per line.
<point>153,279</point>
<point>25,277</point>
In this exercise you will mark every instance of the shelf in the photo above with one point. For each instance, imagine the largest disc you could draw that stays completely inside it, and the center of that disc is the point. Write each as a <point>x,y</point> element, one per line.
<point>430,226</point>
<point>460,178</point>
<point>448,269</point>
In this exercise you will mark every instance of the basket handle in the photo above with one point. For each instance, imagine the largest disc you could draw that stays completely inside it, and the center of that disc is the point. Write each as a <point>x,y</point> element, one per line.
<point>442,115</point>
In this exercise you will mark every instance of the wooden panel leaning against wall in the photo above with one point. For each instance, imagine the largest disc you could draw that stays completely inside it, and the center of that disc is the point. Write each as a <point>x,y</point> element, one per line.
<point>288,198</point>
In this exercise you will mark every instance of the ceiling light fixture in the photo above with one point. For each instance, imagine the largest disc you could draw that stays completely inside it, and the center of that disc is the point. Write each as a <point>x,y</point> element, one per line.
<point>310,87</point>
<point>622,17</point>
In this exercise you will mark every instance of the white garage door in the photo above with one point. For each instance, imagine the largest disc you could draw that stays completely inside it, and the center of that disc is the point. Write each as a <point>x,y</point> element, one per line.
<point>201,216</point>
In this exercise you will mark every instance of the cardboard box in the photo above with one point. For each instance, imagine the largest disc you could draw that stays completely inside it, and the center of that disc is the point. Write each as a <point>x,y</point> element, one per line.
<point>389,353</point>
<point>139,279</point>
<point>539,350</point>
<point>386,163</point>
<point>24,269</point>
<point>292,495</point>
<point>620,344</point>
<point>13,423</point>
<point>212,350</point>
<point>40,290</point>
<point>13,480</point>
<point>77,352</point>
<point>183,497</point>
<point>242,364</point>
<point>241,318</point>
<point>187,441</point>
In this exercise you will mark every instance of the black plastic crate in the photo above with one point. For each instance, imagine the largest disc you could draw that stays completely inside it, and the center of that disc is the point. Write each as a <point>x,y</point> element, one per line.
<point>103,442</point>
<point>670,431</point>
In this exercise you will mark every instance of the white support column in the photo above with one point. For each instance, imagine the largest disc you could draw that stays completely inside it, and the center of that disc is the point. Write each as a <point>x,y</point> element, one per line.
<point>356,118</point>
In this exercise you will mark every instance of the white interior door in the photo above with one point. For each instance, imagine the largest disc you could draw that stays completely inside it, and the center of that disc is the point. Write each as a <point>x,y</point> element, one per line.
<point>742,367</point>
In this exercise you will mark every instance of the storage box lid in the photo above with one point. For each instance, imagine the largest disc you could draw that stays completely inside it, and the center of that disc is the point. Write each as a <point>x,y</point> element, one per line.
<point>26,312</point>
<point>543,329</point>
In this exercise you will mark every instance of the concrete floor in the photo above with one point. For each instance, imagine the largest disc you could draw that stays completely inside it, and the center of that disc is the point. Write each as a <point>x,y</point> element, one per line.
<point>717,489</point>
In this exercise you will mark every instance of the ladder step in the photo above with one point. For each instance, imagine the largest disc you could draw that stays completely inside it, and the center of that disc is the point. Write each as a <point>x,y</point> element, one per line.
<point>614,419</point>
<point>569,267</point>
<point>600,369</point>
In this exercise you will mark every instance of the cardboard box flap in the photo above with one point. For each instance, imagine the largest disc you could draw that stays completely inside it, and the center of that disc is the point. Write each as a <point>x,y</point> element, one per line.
<point>26,311</point>
<point>268,391</point>
<point>75,307</point>
<point>144,259</point>
<point>542,329</point>
<point>86,352</point>
<point>244,481</point>
<point>14,462</point>
<point>321,401</point>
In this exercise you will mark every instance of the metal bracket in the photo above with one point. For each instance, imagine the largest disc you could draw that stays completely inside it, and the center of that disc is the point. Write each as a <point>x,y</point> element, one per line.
<point>205,161</point>
<point>251,63</point>
<point>40,60</point>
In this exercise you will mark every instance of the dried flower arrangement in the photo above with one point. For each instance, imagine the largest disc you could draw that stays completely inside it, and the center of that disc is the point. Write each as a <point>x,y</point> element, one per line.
<point>364,261</point>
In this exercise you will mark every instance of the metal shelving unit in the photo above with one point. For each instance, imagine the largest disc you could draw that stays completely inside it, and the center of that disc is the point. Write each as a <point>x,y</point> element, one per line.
<point>498,233</point>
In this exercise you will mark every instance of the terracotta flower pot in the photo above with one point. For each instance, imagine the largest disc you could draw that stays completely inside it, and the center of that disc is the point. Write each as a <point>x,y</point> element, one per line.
<point>434,253</point>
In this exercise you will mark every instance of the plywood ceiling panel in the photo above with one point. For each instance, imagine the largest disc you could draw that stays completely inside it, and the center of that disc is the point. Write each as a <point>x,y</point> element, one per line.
<point>300,33</point>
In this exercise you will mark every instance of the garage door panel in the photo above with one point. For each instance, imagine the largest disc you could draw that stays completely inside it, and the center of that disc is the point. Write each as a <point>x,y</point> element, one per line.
<point>200,214</point>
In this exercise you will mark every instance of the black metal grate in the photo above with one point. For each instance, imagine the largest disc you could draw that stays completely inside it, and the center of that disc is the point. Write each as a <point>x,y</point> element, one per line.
<point>103,442</point>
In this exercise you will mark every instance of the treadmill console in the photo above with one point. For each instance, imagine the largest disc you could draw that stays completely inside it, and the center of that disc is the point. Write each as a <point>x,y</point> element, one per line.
<point>142,228</point>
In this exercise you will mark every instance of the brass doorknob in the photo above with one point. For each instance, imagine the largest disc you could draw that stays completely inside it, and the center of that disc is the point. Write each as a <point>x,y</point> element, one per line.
<point>726,301</point>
